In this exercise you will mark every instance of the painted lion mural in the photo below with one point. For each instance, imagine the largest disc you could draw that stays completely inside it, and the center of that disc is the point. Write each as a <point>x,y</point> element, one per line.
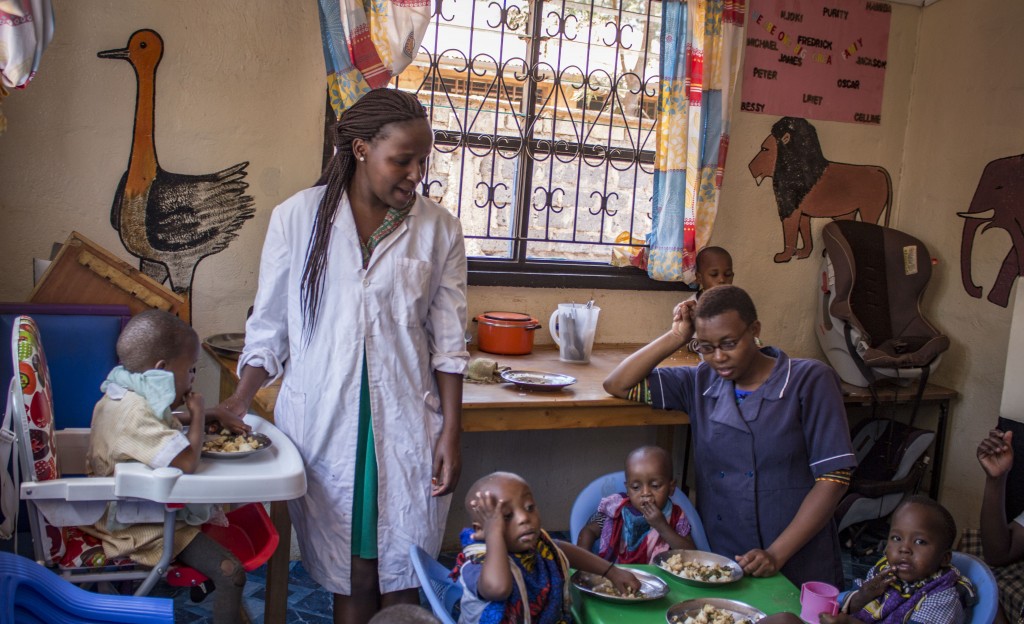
<point>807,185</point>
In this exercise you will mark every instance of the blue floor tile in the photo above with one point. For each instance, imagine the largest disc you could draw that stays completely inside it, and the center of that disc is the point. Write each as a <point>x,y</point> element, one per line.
<point>316,602</point>
<point>308,603</point>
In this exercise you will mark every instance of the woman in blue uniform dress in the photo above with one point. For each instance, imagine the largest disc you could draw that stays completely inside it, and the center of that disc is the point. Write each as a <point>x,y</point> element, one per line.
<point>772,445</point>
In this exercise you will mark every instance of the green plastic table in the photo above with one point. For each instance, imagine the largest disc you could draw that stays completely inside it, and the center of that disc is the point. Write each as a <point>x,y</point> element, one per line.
<point>773,594</point>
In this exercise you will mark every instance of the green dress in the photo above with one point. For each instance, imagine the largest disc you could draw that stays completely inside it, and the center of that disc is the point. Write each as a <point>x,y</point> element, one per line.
<point>364,501</point>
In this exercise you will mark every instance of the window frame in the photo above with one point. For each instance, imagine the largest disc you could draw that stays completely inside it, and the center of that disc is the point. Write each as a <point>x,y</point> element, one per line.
<point>519,270</point>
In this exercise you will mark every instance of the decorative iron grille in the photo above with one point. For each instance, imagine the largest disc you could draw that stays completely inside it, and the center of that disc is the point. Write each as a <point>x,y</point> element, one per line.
<point>544,117</point>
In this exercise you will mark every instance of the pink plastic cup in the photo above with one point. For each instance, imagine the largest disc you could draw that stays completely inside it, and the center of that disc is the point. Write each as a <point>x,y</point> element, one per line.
<point>817,598</point>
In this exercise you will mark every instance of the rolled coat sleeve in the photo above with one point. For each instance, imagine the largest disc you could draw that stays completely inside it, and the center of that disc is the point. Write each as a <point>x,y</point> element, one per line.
<point>446,318</point>
<point>266,331</point>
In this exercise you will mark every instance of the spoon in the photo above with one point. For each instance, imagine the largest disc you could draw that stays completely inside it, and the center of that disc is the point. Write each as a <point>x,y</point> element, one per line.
<point>568,335</point>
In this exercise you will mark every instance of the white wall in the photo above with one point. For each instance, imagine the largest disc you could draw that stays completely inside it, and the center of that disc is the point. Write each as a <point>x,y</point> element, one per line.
<point>248,85</point>
<point>968,92</point>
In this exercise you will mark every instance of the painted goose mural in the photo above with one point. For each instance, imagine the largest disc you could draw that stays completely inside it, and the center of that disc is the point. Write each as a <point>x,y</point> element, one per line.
<point>170,221</point>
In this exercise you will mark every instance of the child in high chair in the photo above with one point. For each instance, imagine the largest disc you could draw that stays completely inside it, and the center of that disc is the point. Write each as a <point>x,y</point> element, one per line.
<point>510,564</point>
<point>914,583</point>
<point>133,422</point>
<point>636,525</point>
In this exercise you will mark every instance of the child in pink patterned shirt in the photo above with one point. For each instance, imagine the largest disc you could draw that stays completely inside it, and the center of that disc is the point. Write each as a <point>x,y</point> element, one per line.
<point>635,525</point>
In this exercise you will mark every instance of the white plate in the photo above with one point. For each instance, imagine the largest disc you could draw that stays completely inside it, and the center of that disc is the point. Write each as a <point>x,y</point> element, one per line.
<point>739,610</point>
<point>267,443</point>
<point>700,556</point>
<point>536,380</point>
<point>651,586</point>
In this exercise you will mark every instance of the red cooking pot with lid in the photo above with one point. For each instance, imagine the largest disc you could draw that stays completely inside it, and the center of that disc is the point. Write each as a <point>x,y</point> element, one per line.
<point>506,333</point>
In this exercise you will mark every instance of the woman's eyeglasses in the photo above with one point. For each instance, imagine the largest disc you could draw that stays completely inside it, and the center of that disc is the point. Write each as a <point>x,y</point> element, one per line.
<point>706,348</point>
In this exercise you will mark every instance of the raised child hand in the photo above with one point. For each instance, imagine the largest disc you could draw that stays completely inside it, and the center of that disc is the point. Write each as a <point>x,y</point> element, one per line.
<point>682,319</point>
<point>653,515</point>
<point>995,453</point>
<point>196,408</point>
<point>487,511</point>
<point>623,580</point>
<point>875,586</point>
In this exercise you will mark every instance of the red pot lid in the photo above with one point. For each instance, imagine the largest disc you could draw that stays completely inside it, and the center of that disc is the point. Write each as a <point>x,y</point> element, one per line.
<point>507,317</point>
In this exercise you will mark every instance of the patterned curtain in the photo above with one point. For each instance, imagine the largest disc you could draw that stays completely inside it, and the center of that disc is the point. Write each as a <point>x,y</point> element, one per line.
<point>700,61</point>
<point>366,42</point>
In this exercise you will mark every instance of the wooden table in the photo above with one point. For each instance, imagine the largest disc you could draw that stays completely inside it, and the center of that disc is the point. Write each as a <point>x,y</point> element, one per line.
<point>893,395</point>
<point>493,407</point>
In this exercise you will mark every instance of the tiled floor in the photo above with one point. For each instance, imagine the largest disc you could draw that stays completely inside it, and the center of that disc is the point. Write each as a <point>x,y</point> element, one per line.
<point>307,602</point>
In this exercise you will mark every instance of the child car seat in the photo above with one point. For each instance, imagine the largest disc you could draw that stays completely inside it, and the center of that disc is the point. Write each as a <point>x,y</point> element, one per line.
<point>891,460</point>
<point>869,322</point>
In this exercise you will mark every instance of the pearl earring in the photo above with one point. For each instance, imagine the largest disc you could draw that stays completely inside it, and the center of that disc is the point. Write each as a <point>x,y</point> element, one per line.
<point>757,342</point>
<point>362,159</point>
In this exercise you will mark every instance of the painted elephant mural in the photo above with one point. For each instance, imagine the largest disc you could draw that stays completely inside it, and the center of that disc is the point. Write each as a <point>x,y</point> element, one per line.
<point>807,185</point>
<point>998,202</point>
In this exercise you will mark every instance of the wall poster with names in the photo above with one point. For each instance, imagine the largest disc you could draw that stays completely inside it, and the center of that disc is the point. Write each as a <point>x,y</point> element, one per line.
<point>816,59</point>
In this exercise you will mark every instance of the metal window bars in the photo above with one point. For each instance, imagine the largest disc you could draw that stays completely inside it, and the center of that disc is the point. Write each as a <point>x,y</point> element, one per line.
<point>544,117</point>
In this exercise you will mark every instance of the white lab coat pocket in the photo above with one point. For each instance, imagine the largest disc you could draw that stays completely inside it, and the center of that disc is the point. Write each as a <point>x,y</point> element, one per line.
<point>411,296</point>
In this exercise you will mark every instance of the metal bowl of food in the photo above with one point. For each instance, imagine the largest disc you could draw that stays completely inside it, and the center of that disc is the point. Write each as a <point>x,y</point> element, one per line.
<point>699,568</point>
<point>652,587</point>
<point>234,445</point>
<point>712,611</point>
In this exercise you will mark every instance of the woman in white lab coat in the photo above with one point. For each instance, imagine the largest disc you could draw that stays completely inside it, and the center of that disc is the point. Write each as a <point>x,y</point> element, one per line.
<point>362,307</point>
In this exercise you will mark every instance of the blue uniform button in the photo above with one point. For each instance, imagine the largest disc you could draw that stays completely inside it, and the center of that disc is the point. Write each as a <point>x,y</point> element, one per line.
<point>721,475</point>
<point>750,473</point>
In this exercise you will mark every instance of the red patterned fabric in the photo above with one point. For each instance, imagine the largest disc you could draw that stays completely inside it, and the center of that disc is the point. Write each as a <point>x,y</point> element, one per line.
<point>66,546</point>
<point>36,430</point>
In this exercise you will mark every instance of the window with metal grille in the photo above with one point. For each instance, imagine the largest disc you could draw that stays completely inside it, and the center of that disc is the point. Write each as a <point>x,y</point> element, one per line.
<point>544,117</point>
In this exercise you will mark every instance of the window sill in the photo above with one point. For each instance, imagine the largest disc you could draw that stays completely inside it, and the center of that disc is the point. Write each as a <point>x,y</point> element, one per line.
<point>565,275</point>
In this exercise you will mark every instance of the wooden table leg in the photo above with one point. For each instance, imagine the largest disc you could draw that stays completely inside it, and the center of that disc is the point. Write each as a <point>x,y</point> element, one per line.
<point>275,609</point>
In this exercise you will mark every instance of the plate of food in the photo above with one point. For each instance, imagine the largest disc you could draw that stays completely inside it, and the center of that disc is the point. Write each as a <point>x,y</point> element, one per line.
<point>536,380</point>
<point>227,344</point>
<point>699,568</point>
<point>712,611</point>
<point>227,445</point>
<point>651,587</point>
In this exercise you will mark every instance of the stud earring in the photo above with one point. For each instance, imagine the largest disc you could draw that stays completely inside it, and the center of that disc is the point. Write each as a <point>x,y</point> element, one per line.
<point>757,342</point>
<point>362,159</point>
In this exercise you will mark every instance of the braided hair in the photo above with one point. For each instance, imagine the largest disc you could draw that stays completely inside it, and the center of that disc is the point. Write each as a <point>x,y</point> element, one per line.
<point>365,120</point>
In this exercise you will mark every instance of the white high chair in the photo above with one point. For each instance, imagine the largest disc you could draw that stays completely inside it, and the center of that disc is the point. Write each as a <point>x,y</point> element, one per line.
<point>58,505</point>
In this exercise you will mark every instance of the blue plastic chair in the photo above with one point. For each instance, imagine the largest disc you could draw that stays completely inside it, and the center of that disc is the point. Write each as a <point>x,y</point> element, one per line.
<point>586,504</point>
<point>984,581</point>
<point>442,592</point>
<point>30,593</point>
